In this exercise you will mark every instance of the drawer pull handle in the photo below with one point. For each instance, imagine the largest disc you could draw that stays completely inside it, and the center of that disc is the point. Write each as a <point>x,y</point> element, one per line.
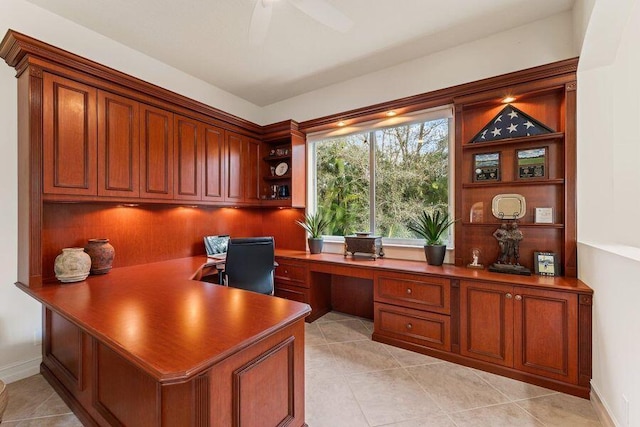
<point>508,295</point>
<point>409,326</point>
<point>286,272</point>
<point>409,291</point>
<point>518,297</point>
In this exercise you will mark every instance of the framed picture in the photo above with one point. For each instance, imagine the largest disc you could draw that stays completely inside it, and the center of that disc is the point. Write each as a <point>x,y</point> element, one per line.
<point>546,263</point>
<point>486,167</point>
<point>532,163</point>
<point>543,216</point>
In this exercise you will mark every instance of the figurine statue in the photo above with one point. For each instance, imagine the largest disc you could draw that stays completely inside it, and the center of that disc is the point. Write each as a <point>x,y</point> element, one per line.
<point>509,237</point>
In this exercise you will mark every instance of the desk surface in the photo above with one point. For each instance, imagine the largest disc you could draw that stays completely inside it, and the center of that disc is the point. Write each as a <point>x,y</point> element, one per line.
<point>165,323</point>
<point>365,268</point>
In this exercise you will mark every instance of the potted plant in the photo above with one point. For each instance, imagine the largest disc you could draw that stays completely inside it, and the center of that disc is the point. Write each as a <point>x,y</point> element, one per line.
<point>314,224</point>
<point>430,226</point>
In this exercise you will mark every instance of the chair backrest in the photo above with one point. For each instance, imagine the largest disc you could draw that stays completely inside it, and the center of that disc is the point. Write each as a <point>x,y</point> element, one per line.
<point>250,264</point>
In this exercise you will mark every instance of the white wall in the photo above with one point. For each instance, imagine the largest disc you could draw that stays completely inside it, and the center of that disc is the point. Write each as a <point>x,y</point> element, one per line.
<point>608,199</point>
<point>537,43</point>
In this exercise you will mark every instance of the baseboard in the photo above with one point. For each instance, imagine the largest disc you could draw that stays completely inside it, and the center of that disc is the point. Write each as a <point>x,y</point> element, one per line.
<point>20,370</point>
<point>601,409</point>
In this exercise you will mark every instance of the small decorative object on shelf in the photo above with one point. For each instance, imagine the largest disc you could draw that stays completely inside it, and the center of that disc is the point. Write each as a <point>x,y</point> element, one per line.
<point>509,237</point>
<point>431,226</point>
<point>476,214</point>
<point>532,163</point>
<point>510,123</point>
<point>101,253</point>
<point>314,224</point>
<point>486,167</point>
<point>546,264</point>
<point>508,206</point>
<point>72,265</point>
<point>283,191</point>
<point>475,256</point>
<point>281,168</point>
<point>364,243</point>
<point>544,216</point>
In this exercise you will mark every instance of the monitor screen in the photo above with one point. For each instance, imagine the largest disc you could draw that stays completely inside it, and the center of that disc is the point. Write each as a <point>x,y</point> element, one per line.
<point>216,244</point>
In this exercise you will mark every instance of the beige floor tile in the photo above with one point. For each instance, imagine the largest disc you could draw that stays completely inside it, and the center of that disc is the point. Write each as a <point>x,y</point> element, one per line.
<point>433,421</point>
<point>561,410</point>
<point>506,415</point>
<point>334,316</point>
<point>362,356</point>
<point>455,387</point>
<point>344,330</point>
<point>330,403</point>
<point>367,324</point>
<point>410,358</point>
<point>25,396</point>
<point>513,389</point>
<point>313,334</point>
<point>391,396</point>
<point>52,406</point>
<point>319,360</point>
<point>51,421</point>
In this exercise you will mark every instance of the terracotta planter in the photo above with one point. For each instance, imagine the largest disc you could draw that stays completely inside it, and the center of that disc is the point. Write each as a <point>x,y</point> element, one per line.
<point>435,254</point>
<point>101,253</point>
<point>72,265</point>
<point>315,245</point>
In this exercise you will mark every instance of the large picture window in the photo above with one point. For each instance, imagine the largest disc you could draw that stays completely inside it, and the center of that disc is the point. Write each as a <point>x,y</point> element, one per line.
<point>379,177</point>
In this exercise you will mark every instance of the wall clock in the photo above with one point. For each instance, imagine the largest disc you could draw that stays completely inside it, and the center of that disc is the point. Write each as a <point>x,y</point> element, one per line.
<point>281,168</point>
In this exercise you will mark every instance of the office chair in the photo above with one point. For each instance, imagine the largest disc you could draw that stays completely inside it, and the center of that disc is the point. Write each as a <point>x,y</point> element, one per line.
<point>250,264</point>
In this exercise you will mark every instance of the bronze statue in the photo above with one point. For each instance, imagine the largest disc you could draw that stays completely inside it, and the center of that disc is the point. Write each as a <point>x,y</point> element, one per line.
<point>509,237</point>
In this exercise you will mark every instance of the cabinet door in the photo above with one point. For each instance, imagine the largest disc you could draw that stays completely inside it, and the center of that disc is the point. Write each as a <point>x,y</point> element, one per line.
<point>214,178</point>
<point>186,166</point>
<point>234,188</point>
<point>118,146</point>
<point>156,152</point>
<point>486,322</point>
<point>251,163</point>
<point>546,333</point>
<point>69,137</point>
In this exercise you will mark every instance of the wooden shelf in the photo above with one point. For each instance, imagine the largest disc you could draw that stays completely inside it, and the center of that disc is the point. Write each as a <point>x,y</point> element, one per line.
<point>274,158</point>
<point>513,141</point>
<point>520,224</point>
<point>277,178</point>
<point>523,182</point>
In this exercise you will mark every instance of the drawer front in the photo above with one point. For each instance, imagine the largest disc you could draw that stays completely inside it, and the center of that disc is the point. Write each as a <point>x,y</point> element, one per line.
<point>291,272</point>
<point>291,292</point>
<point>419,292</point>
<point>418,327</point>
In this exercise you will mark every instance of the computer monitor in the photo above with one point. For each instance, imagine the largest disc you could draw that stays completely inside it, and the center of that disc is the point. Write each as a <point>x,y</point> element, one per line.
<point>216,246</point>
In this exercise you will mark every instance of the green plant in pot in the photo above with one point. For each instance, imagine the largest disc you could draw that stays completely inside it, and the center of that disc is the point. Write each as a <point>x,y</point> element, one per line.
<point>431,226</point>
<point>314,224</point>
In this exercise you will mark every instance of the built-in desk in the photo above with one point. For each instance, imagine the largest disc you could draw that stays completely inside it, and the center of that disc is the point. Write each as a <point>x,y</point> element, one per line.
<point>532,328</point>
<point>148,346</point>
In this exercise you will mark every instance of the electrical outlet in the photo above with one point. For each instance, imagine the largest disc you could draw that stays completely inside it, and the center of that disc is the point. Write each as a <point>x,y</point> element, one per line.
<point>37,337</point>
<point>625,411</point>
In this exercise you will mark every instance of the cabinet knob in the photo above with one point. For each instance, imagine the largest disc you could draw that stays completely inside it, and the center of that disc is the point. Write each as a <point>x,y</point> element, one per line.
<point>508,295</point>
<point>286,271</point>
<point>518,297</point>
<point>409,326</point>
<point>409,291</point>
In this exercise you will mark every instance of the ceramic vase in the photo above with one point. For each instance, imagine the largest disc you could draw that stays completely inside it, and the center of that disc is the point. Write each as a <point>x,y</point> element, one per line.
<point>315,245</point>
<point>72,265</point>
<point>101,253</point>
<point>435,254</point>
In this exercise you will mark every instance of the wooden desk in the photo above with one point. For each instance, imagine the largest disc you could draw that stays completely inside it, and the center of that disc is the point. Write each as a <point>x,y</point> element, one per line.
<point>532,328</point>
<point>147,346</point>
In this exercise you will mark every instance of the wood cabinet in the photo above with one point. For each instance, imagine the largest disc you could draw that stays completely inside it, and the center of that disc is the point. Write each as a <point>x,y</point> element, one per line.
<point>531,330</point>
<point>213,164</point>
<point>251,170</point>
<point>118,146</point>
<point>187,158</point>
<point>156,153</point>
<point>69,137</point>
<point>293,281</point>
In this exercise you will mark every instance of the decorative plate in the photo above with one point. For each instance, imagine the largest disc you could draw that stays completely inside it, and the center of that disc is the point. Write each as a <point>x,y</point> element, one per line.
<point>282,168</point>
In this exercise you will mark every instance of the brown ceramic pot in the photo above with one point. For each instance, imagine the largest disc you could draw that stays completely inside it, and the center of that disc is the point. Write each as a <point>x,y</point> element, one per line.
<point>101,253</point>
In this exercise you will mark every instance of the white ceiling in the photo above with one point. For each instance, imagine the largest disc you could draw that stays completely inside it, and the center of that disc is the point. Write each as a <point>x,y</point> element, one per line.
<point>208,39</point>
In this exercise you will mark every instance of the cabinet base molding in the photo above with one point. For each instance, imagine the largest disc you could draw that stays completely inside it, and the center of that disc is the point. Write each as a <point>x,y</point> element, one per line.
<point>601,409</point>
<point>572,389</point>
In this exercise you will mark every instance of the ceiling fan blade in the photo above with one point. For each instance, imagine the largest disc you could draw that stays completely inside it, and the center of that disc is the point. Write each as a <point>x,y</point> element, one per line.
<point>260,21</point>
<point>325,13</point>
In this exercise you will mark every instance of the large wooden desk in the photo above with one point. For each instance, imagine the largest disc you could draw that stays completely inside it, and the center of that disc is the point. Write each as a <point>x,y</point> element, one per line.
<point>532,328</point>
<point>147,346</point>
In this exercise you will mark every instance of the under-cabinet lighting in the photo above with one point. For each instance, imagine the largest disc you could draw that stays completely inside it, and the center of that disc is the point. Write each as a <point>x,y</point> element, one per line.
<point>508,99</point>
<point>130,205</point>
<point>391,113</point>
<point>341,124</point>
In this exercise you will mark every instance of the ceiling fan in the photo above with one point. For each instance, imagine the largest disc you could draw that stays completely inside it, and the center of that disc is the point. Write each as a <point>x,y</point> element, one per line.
<point>320,10</point>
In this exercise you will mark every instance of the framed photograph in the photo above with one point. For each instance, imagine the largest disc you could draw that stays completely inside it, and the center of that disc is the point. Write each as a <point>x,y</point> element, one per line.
<point>532,163</point>
<point>546,263</point>
<point>486,167</point>
<point>543,216</point>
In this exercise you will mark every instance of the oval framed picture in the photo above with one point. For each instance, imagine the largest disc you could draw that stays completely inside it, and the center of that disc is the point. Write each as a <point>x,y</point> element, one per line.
<point>282,168</point>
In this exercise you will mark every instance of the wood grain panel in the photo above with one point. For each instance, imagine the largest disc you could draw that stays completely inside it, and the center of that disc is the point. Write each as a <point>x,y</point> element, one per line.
<point>251,170</point>
<point>419,292</point>
<point>235,181</point>
<point>352,295</point>
<point>156,156</point>
<point>64,347</point>
<point>214,177</point>
<point>281,224</point>
<point>186,159</point>
<point>486,322</point>
<point>118,146</point>
<point>419,327</point>
<point>69,137</point>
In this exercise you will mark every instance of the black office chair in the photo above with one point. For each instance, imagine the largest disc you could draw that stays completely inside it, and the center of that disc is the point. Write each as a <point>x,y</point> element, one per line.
<point>250,264</point>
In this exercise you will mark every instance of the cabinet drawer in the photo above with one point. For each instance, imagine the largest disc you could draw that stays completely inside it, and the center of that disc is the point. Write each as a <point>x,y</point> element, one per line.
<point>418,327</point>
<point>419,292</point>
<point>291,292</point>
<point>291,272</point>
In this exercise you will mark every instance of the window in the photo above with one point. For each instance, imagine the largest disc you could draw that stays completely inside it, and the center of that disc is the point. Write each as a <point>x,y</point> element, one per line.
<point>378,177</point>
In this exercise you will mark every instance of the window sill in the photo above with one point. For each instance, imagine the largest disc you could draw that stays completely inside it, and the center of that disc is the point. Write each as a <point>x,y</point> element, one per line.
<point>406,252</point>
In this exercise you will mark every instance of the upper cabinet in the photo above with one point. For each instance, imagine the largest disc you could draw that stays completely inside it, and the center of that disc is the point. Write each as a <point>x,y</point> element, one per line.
<point>187,158</point>
<point>156,153</point>
<point>69,137</point>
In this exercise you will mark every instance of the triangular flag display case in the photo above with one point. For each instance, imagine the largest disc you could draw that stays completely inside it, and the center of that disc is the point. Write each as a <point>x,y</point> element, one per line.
<point>524,147</point>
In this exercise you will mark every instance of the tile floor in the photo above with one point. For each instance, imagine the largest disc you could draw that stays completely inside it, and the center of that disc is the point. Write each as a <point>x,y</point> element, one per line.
<point>352,381</point>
